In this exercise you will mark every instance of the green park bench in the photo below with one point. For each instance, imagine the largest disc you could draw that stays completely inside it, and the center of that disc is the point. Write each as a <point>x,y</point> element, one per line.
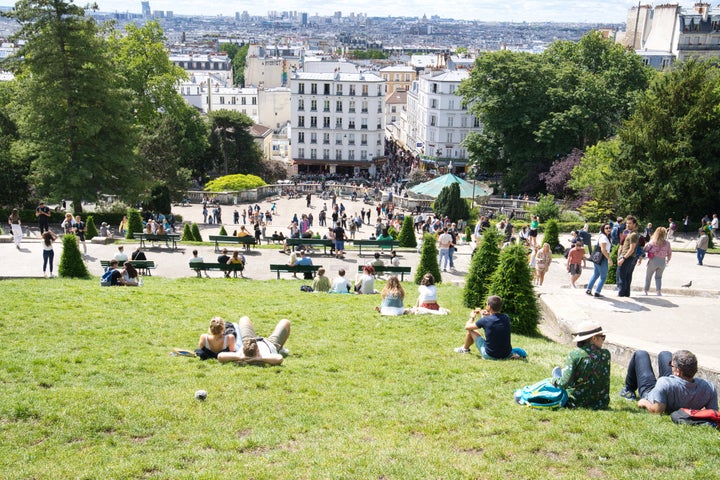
<point>223,267</point>
<point>154,237</point>
<point>389,269</point>
<point>375,244</point>
<point>294,269</point>
<point>311,242</point>
<point>246,240</point>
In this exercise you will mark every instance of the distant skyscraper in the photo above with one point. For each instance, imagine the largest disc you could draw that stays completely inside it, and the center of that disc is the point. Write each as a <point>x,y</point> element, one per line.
<point>303,20</point>
<point>145,9</point>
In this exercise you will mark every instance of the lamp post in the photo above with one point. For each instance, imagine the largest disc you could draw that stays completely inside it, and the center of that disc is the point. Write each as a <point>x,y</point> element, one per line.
<point>472,174</point>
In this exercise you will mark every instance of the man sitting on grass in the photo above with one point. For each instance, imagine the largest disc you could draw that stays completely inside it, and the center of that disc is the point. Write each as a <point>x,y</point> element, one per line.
<point>256,349</point>
<point>496,344</point>
<point>675,388</point>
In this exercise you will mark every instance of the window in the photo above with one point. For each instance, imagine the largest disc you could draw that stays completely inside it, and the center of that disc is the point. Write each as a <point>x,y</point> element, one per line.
<point>326,106</point>
<point>364,90</point>
<point>351,124</point>
<point>393,109</point>
<point>301,137</point>
<point>351,106</point>
<point>313,105</point>
<point>433,120</point>
<point>451,104</point>
<point>363,123</point>
<point>364,107</point>
<point>449,137</point>
<point>326,122</point>
<point>338,106</point>
<point>254,100</point>
<point>313,154</point>
<point>338,155</point>
<point>313,137</point>
<point>433,103</point>
<point>313,122</point>
<point>363,154</point>
<point>363,139</point>
<point>301,88</point>
<point>452,88</point>
<point>463,122</point>
<point>379,125</point>
<point>351,154</point>
<point>301,105</point>
<point>326,89</point>
<point>476,123</point>
<point>243,101</point>
<point>301,153</point>
<point>222,100</point>
<point>338,89</point>
<point>351,139</point>
<point>434,88</point>
<point>233,100</point>
<point>301,121</point>
<point>338,122</point>
<point>313,89</point>
<point>326,138</point>
<point>451,121</point>
<point>338,139</point>
<point>326,154</point>
<point>352,90</point>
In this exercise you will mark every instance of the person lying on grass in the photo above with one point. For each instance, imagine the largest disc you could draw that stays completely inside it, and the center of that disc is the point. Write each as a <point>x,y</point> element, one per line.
<point>496,344</point>
<point>256,349</point>
<point>217,340</point>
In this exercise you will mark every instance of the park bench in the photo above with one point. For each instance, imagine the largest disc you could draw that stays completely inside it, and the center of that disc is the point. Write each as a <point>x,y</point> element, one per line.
<point>375,244</point>
<point>310,242</point>
<point>223,267</point>
<point>246,240</point>
<point>294,269</point>
<point>142,266</point>
<point>154,237</point>
<point>389,269</point>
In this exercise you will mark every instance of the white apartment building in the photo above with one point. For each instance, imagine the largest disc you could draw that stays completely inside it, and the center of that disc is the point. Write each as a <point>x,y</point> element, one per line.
<point>436,122</point>
<point>208,95</point>
<point>337,122</point>
<point>218,65</point>
<point>397,77</point>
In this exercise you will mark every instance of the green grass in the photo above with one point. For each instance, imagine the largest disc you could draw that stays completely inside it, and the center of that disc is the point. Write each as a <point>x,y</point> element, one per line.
<point>89,391</point>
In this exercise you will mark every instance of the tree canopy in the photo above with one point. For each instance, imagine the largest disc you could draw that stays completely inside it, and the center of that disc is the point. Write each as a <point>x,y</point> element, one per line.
<point>535,109</point>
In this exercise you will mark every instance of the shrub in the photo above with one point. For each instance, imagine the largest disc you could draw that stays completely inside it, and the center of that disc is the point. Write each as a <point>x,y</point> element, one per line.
<point>71,262</point>
<point>91,230</point>
<point>407,233</point>
<point>512,281</point>
<point>708,232</point>
<point>594,211</point>
<point>222,230</point>
<point>468,233</point>
<point>428,260</point>
<point>546,208</point>
<point>393,233</point>
<point>135,224</point>
<point>187,235</point>
<point>196,232</point>
<point>551,234</point>
<point>612,271</point>
<point>482,266</point>
<point>234,182</point>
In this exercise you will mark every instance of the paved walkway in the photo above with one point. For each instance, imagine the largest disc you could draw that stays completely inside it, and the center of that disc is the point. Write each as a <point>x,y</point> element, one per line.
<point>681,318</point>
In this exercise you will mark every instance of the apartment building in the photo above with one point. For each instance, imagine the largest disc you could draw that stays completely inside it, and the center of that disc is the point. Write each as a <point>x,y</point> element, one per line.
<point>397,77</point>
<point>436,122</point>
<point>338,123</point>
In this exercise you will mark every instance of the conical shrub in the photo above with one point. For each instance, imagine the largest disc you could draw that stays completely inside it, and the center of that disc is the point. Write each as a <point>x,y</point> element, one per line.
<point>222,231</point>
<point>91,230</point>
<point>551,234</point>
<point>135,223</point>
<point>187,235</point>
<point>612,271</point>
<point>407,233</point>
<point>196,232</point>
<point>428,260</point>
<point>512,281</point>
<point>71,262</point>
<point>482,266</point>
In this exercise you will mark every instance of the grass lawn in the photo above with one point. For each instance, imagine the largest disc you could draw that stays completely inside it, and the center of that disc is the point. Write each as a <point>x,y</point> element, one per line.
<point>89,391</point>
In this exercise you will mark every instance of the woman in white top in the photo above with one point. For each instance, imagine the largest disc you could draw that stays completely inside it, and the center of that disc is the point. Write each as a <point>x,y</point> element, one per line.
<point>365,284</point>
<point>427,290</point>
<point>48,252</point>
<point>600,271</point>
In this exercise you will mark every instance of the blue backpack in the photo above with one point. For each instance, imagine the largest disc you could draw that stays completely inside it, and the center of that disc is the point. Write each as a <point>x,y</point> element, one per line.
<point>543,394</point>
<point>105,279</point>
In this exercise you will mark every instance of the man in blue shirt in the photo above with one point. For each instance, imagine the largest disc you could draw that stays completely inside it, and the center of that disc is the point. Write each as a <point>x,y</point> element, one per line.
<point>496,343</point>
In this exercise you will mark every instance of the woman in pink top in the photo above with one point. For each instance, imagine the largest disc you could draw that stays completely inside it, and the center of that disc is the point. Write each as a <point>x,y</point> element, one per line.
<point>659,253</point>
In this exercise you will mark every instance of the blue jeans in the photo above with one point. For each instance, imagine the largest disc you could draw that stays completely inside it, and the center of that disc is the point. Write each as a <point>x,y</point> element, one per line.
<point>640,374</point>
<point>700,255</point>
<point>444,255</point>
<point>600,273</point>
<point>480,344</point>
<point>624,276</point>
<point>48,256</point>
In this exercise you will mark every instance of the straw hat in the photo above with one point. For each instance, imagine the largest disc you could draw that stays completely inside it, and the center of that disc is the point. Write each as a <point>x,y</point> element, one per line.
<point>587,329</point>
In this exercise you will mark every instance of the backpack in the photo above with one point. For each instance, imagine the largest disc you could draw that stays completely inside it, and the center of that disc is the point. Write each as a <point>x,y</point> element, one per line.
<point>105,279</point>
<point>705,416</point>
<point>543,394</point>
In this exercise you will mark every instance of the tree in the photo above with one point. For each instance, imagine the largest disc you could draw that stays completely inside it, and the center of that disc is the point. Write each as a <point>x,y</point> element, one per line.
<point>72,114</point>
<point>71,262</point>
<point>196,232</point>
<point>232,144</point>
<point>428,260</point>
<point>595,177</point>
<point>482,266</point>
<point>407,233</point>
<point>551,234</point>
<point>14,166</point>
<point>135,223</point>
<point>238,55</point>
<point>187,235</point>
<point>546,208</point>
<point>669,155</point>
<point>512,281</point>
<point>449,203</point>
<point>537,108</point>
<point>556,179</point>
<point>91,230</point>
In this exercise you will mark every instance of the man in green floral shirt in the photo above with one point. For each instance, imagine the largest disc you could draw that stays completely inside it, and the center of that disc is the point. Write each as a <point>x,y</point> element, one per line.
<point>586,373</point>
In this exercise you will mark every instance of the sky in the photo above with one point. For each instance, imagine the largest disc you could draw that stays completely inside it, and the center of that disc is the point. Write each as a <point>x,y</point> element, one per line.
<point>586,11</point>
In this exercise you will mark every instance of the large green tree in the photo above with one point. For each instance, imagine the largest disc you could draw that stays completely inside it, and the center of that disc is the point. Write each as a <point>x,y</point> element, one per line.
<point>451,204</point>
<point>238,56</point>
<point>14,167</point>
<point>73,116</point>
<point>536,108</point>
<point>234,148</point>
<point>669,157</point>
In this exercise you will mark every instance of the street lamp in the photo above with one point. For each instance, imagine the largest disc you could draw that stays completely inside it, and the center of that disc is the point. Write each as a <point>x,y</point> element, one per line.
<point>472,174</point>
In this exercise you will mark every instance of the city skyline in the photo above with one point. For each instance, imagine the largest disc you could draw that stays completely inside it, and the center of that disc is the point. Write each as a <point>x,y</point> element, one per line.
<point>572,11</point>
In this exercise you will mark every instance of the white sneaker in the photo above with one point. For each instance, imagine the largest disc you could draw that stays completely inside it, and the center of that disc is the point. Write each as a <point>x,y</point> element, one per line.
<point>284,352</point>
<point>462,350</point>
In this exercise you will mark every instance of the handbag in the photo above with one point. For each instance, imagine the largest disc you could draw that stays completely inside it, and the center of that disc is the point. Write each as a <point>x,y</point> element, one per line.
<point>597,256</point>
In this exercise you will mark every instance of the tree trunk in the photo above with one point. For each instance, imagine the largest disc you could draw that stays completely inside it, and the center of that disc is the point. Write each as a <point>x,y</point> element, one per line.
<point>77,205</point>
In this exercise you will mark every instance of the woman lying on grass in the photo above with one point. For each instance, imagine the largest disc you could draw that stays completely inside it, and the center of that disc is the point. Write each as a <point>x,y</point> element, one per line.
<point>256,349</point>
<point>215,341</point>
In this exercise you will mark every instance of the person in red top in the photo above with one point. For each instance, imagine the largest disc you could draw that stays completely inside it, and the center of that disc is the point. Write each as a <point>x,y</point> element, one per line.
<point>574,262</point>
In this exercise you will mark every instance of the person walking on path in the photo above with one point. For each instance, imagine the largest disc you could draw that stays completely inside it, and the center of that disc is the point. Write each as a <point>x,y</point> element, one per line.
<point>600,271</point>
<point>659,253</point>
<point>42,212</point>
<point>701,245</point>
<point>16,227</point>
<point>627,258</point>
<point>574,262</point>
<point>48,252</point>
